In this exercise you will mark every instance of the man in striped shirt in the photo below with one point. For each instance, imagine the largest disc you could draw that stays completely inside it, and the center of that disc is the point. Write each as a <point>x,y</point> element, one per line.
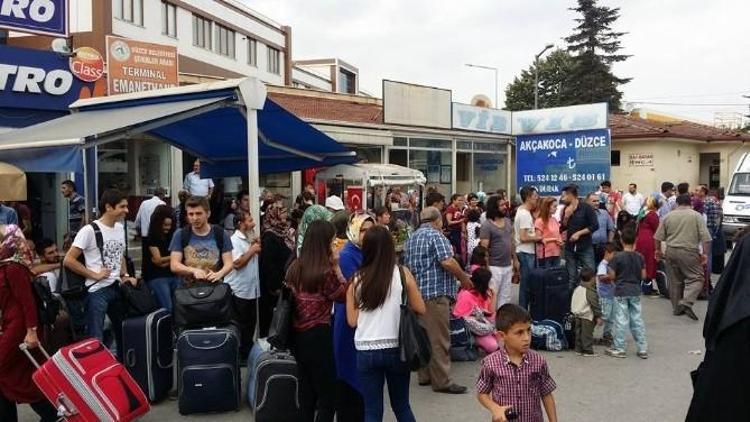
<point>514,379</point>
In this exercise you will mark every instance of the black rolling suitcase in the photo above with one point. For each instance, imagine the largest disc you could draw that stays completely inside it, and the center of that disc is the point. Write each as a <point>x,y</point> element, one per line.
<point>208,374</point>
<point>148,344</point>
<point>549,293</point>
<point>272,384</point>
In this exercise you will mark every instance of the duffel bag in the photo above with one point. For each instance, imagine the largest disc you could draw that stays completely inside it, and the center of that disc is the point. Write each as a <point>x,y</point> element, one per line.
<point>202,305</point>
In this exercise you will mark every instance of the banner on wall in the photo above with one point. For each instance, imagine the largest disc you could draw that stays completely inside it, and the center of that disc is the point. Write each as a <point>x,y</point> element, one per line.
<point>551,161</point>
<point>560,119</point>
<point>44,17</point>
<point>135,66</point>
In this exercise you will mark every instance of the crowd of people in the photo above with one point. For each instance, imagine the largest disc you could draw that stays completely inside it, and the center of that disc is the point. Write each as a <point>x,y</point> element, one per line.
<point>345,274</point>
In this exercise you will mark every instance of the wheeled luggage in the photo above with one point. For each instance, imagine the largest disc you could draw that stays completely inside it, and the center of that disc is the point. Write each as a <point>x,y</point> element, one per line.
<point>86,384</point>
<point>148,346</point>
<point>549,294</point>
<point>208,375</point>
<point>272,384</point>
<point>203,305</point>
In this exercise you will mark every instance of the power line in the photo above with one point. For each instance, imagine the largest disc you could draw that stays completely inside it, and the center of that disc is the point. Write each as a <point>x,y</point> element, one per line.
<point>698,95</point>
<point>691,104</point>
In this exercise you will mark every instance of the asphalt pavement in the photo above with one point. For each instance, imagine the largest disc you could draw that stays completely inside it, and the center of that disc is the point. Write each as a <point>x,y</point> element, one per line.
<point>588,389</point>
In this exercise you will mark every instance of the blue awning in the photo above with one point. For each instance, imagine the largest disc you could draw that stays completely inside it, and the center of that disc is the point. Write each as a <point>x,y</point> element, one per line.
<point>46,160</point>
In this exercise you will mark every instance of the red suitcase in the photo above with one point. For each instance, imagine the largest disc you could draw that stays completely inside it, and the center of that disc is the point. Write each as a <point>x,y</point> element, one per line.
<point>86,384</point>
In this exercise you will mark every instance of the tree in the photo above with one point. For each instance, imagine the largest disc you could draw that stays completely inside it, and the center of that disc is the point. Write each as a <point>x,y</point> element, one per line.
<point>596,47</point>
<point>556,88</point>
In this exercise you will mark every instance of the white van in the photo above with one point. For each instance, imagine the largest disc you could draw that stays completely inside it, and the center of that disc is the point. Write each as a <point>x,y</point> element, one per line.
<point>737,199</point>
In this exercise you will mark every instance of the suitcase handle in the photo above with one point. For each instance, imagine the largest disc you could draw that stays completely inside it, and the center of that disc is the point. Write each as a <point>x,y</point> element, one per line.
<point>25,349</point>
<point>81,355</point>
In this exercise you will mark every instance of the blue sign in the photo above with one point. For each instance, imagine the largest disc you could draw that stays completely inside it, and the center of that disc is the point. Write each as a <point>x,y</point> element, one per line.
<point>46,17</point>
<point>37,79</point>
<point>551,161</point>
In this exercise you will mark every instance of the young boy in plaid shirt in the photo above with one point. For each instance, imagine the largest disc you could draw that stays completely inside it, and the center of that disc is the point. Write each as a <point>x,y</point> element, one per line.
<point>514,380</point>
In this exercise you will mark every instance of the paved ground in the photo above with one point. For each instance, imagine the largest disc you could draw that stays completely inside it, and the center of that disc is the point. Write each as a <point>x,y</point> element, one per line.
<point>589,389</point>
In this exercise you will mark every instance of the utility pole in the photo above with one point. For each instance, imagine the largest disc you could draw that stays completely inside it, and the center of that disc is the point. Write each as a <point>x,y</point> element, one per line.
<point>536,75</point>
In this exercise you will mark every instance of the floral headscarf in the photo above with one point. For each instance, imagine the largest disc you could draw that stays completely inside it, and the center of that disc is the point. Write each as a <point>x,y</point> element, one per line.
<point>355,223</point>
<point>312,213</point>
<point>273,223</point>
<point>13,246</point>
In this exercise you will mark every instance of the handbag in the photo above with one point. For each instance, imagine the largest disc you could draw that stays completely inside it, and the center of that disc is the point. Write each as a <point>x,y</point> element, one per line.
<point>413,344</point>
<point>281,322</point>
<point>203,305</point>
<point>478,323</point>
<point>138,299</point>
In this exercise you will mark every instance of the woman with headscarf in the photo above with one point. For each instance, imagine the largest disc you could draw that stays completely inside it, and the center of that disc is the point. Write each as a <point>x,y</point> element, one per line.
<point>312,213</point>
<point>644,243</point>
<point>351,407</point>
<point>277,244</point>
<point>721,387</point>
<point>19,325</point>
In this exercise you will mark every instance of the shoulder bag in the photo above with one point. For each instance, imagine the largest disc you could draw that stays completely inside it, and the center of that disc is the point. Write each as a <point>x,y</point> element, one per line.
<point>414,345</point>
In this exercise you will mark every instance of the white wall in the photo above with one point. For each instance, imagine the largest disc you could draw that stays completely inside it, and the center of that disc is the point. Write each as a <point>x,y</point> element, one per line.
<point>151,31</point>
<point>311,80</point>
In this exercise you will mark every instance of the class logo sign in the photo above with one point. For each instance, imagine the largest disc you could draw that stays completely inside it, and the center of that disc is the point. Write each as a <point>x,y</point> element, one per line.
<point>44,17</point>
<point>87,64</point>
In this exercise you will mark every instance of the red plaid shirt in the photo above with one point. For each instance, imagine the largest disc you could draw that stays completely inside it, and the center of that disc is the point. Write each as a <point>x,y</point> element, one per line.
<point>519,386</point>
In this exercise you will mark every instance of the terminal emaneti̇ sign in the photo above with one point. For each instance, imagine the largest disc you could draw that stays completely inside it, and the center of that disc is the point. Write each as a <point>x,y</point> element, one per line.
<point>135,66</point>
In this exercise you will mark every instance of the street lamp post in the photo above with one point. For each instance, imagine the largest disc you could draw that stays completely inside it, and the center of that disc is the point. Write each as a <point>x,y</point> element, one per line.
<point>536,75</point>
<point>497,105</point>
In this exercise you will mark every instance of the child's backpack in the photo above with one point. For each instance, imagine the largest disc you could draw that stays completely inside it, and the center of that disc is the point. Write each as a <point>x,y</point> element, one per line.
<point>463,348</point>
<point>549,335</point>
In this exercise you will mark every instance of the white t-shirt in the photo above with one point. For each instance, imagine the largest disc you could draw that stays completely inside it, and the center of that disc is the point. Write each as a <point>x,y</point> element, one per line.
<point>523,221</point>
<point>632,203</point>
<point>245,282</point>
<point>143,218</point>
<point>114,246</point>
<point>197,186</point>
<point>52,280</point>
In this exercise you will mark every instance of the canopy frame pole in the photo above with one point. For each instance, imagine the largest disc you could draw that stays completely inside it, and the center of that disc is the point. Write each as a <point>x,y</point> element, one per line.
<point>253,172</point>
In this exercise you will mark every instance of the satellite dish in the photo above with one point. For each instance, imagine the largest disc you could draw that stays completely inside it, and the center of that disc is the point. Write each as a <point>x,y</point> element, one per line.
<point>61,46</point>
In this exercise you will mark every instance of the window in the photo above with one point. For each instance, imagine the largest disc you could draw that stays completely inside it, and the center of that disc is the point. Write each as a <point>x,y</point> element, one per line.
<point>252,52</point>
<point>129,11</point>
<point>201,32</point>
<point>615,158</point>
<point>347,82</point>
<point>224,41</point>
<point>273,61</point>
<point>168,19</point>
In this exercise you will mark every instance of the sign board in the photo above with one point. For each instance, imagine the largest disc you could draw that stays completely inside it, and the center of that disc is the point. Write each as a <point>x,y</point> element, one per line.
<point>87,64</point>
<point>641,160</point>
<point>549,162</point>
<point>37,79</point>
<point>135,66</point>
<point>481,119</point>
<point>416,105</point>
<point>354,199</point>
<point>44,17</point>
<point>560,119</point>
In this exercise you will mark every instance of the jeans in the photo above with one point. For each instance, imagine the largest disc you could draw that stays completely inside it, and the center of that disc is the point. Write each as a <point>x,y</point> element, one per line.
<point>163,288</point>
<point>313,350</point>
<point>608,314</point>
<point>375,367</point>
<point>105,301</point>
<point>575,259</point>
<point>628,313</point>
<point>244,311</point>
<point>526,261</point>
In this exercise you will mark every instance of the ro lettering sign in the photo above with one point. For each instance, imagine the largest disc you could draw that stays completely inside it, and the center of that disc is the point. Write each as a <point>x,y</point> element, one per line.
<point>46,17</point>
<point>37,79</point>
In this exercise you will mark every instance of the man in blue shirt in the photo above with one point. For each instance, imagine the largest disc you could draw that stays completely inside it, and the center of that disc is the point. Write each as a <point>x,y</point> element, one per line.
<point>606,231</point>
<point>429,256</point>
<point>76,206</point>
<point>8,215</point>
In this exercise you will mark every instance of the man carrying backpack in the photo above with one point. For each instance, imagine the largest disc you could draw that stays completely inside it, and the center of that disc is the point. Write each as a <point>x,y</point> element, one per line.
<point>200,252</point>
<point>102,244</point>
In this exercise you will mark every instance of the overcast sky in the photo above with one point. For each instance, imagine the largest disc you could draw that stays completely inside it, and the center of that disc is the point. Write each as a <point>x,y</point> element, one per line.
<point>684,51</point>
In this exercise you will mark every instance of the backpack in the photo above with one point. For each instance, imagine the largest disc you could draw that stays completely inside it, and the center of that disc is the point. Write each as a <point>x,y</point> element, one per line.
<point>548,335</point>
<point>462,347</point>
<point>73,285</point>
<point>187,233</point>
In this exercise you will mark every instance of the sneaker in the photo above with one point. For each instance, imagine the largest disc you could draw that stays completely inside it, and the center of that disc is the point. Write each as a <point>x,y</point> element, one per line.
<point>687,310</point>
<point>588,354</point>
<point>643,355</point>
<point>615,353</point>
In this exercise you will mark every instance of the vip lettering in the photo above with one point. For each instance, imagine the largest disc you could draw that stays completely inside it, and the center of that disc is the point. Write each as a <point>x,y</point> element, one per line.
<point>35,80</point>
<point>40,11</point>
<point>482,120</point>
